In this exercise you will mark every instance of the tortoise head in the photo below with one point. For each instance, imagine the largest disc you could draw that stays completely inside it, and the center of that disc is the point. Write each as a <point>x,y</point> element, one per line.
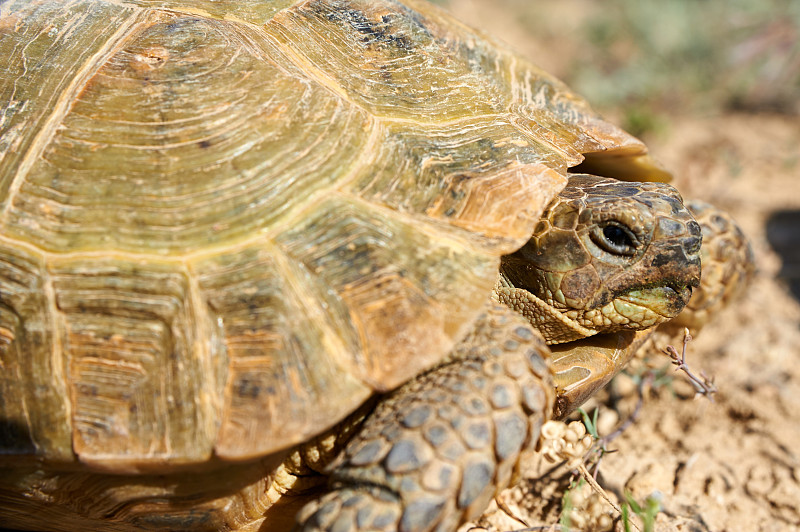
<point>607,257</point>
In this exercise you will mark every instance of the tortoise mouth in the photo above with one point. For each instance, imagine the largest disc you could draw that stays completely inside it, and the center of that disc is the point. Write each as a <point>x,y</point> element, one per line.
<point>665,300</point>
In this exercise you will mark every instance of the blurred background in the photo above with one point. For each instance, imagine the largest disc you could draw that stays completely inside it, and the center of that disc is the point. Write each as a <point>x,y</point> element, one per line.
<point>656,58</point>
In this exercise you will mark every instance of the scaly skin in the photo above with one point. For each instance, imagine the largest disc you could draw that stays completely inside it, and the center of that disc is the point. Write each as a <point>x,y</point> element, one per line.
<point>436,450</point>
<point>606,256</point>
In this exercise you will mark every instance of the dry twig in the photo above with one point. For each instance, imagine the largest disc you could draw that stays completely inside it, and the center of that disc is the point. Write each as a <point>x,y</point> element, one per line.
<point>702,385</point>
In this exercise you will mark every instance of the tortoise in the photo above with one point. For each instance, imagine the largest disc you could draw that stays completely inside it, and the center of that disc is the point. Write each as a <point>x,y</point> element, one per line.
<point>238,237</point>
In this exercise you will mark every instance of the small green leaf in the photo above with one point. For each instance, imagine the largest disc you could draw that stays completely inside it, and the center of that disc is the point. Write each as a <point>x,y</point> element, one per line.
<point>626,522</point>
<point>633,504</point>
<point>591,424</point>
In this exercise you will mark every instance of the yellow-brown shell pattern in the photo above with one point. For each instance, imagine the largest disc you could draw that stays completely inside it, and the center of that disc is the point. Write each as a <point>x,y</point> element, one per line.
<point>224,224</point>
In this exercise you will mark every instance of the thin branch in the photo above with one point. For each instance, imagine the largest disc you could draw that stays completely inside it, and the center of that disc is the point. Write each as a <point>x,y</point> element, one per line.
<point>600,491</point>
<point>704,385</point>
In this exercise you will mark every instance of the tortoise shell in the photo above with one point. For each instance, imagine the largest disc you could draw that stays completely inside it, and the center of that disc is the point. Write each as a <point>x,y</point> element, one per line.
<point>223,225</point>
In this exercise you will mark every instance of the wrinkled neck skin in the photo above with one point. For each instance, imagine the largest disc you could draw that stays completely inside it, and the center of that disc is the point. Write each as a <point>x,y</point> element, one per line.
<point>608,258</point>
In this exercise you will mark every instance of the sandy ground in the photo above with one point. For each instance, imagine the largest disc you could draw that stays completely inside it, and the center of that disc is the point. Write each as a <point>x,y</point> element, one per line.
<point>734,464</point>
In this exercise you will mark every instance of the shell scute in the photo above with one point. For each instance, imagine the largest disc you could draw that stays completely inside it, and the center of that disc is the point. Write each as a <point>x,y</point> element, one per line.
<point>387,59</point>
<point>482,176</point>
<point>195,133</point>
<point>37,80</point>
<point>134,367</point>
<point>393,283</point>
<point>34,418</point>
<point>283,352</point>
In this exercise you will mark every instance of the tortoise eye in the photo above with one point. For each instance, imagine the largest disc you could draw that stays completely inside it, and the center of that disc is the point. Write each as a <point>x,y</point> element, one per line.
<point>615,238</point>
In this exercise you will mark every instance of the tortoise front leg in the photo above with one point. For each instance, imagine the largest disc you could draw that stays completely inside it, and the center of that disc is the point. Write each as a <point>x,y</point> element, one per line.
<point>435,451</point>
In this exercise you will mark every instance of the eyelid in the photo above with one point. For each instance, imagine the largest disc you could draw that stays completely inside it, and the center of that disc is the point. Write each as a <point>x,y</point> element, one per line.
<point>633,222</point>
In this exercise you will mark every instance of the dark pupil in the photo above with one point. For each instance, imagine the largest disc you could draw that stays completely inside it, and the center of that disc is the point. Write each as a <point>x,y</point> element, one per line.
<point>616,236</point>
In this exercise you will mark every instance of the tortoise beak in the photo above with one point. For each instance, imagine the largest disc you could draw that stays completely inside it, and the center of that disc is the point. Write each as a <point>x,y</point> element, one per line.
<point>667,301</point>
